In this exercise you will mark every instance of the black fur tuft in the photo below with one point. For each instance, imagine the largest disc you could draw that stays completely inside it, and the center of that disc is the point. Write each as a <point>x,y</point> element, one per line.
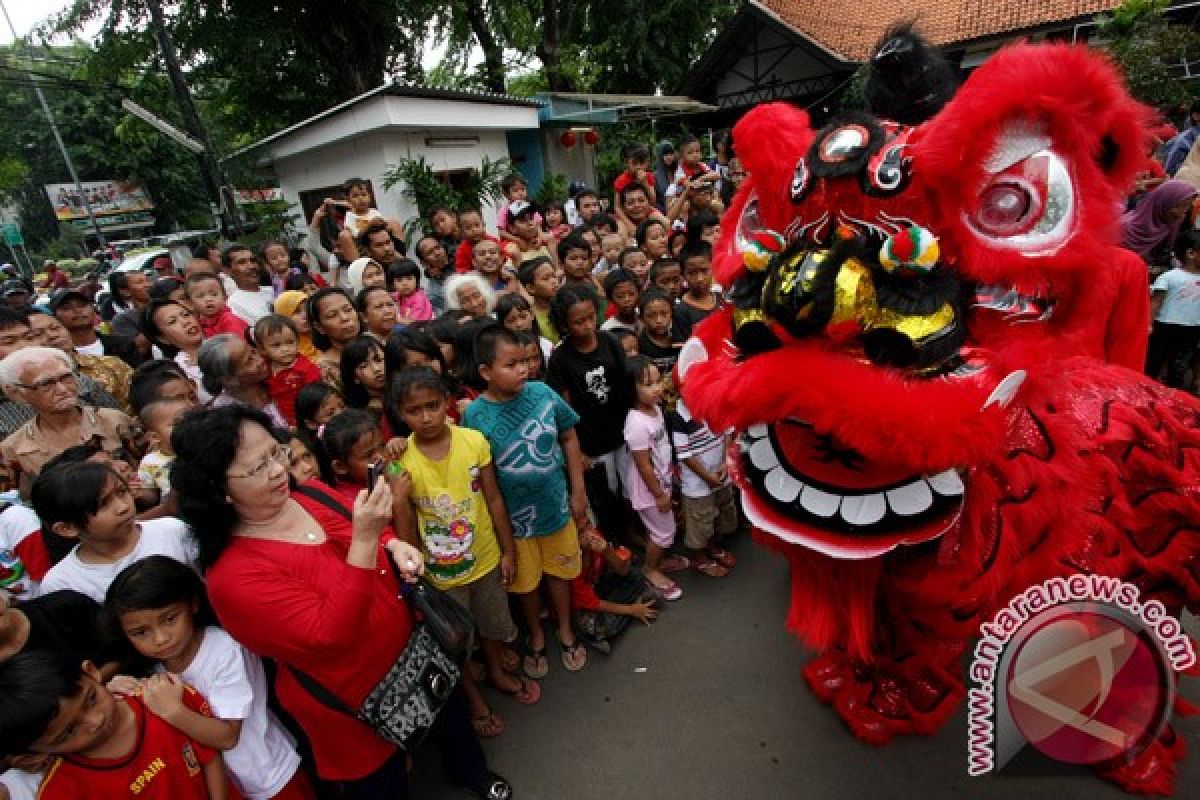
<point>908,80</point>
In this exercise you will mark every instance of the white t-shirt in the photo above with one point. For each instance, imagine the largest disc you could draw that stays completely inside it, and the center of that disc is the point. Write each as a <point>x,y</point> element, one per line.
<point>233,681</point>
<point>356,224</point>
<point>166,536</point>
<point>1181,306</point>
<point>251,306</point>
<point>96,348</point>
<point>21,785</point>
<point>154,471</point>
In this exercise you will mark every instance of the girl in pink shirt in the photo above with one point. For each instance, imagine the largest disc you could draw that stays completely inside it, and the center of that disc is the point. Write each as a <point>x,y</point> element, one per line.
<point>411,303</point>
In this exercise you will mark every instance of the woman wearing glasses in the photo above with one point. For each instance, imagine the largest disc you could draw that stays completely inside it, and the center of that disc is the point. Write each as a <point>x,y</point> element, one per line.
<point>295,581</point>
<point>44,379</point>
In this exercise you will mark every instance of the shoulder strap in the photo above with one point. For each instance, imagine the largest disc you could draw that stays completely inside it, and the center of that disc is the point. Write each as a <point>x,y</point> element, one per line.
<point>325,499</point>
<point>320,693</point>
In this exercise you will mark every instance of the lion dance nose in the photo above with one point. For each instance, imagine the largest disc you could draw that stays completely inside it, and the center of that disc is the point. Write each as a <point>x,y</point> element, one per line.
<point>891,303</point>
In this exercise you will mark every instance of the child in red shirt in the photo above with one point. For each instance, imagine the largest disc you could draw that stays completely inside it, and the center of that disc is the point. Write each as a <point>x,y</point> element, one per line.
<point>473,232</point>
<point>279,341</point>
<point>609,593</point>
<point>206,293</point>
<point>107,746</point>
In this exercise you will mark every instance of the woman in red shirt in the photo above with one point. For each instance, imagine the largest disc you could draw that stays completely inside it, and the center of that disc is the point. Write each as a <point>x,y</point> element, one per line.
<point>296,582</point>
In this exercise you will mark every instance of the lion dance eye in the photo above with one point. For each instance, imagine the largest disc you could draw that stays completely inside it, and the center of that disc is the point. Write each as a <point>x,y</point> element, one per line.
<point>1027,206</point>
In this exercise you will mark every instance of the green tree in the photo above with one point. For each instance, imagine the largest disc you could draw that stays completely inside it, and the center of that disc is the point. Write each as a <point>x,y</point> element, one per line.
<point>1150,51</point>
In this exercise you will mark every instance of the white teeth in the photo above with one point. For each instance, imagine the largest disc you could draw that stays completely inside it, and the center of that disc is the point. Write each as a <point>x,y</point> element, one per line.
<point>911,499</point>
<point>762,455</point>
<point>864,509</point>
<point>947,484</point>
<point>757,431</point>
<point>822,504</point>
<point>1005,390</point>
<point>782,486</point>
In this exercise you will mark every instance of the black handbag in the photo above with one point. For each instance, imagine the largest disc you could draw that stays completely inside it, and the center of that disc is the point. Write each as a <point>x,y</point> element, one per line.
<point>406,701</point>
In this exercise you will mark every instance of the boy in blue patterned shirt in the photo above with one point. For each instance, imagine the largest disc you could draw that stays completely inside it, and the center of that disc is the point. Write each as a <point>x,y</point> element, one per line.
<point>531,431</point>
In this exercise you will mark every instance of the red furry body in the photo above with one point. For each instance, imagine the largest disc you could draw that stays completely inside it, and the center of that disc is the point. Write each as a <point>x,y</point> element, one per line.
<point>1090,467</point>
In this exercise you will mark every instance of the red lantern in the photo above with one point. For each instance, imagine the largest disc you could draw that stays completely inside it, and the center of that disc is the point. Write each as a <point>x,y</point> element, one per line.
<point>568,139</point>
<point>591,137</point>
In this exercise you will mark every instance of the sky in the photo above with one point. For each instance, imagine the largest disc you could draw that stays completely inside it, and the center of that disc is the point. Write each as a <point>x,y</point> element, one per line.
<point>28,14</point>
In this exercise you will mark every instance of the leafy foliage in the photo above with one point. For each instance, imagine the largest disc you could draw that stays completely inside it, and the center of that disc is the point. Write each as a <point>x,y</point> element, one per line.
<point>428,189</point>
<point>553,190</point>
<point>1150,51</point>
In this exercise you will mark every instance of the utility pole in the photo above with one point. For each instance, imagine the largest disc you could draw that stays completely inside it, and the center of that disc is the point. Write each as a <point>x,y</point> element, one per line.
<point>210,169</point>
<point>57,136</point>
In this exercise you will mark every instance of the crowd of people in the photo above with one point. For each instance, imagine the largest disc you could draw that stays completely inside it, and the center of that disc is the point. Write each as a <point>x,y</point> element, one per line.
<point>219,477</point>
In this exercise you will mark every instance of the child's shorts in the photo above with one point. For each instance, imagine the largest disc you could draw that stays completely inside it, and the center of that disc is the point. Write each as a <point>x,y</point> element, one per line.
<point>557,555</point>
<point>487,601</point>
<point>660,525</point>
<point>703,517</point>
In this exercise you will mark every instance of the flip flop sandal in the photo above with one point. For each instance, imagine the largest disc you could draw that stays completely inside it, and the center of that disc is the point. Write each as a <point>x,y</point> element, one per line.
<point>534,664</point>
<point>487,726</point>
<point>574,656</point>
<point>723,557</point>
<point>669,592</point>
<point>675,563</point>
<point>710,567</point>
<point>529,693</point>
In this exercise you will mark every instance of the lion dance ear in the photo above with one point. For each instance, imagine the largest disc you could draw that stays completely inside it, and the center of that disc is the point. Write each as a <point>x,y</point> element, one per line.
<point>1072,94</point>
<point>769,141</point>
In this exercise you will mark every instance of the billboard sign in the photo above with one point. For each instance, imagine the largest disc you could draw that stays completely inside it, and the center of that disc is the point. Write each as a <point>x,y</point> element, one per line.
<point>105,197</point>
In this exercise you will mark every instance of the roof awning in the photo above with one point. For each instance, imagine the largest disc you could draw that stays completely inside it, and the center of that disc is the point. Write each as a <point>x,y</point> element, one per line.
<point>581,108</point>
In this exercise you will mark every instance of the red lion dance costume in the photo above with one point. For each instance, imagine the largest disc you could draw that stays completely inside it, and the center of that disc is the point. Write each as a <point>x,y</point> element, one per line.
<point>934,371</point>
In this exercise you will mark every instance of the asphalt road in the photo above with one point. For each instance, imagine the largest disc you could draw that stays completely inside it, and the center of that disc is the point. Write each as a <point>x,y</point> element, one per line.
<point>709,703</point>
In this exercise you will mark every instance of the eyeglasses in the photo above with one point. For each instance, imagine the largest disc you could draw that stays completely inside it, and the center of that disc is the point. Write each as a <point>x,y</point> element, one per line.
<point>48,383</point>
<point>280,454</point>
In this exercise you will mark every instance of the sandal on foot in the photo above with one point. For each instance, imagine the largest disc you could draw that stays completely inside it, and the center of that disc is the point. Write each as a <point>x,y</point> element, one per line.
<point>675,563</point>
<point>534,664</point>
<point>710,567</point>
<point>487,726</point>
<point>574,655</point>
<point>529,693</point>
<point>494,787</point>
<point>723,557</point>
<point>669,592</point>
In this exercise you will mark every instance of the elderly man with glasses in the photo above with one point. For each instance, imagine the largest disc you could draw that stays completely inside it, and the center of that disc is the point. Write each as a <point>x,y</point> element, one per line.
<point>44,379</point>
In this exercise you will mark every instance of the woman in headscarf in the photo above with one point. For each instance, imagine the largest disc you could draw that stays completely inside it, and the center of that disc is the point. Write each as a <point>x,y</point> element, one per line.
<point>364,272</point>
<point>665,163</point>
<point>1155,221</point>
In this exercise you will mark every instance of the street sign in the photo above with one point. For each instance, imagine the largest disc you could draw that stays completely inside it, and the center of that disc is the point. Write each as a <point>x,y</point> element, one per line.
<point>12,234</point>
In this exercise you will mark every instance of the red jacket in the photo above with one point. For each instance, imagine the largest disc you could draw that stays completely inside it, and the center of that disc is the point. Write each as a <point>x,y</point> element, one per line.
<point>224,322</point>
<point>283,386</point>
<point>343,625</point>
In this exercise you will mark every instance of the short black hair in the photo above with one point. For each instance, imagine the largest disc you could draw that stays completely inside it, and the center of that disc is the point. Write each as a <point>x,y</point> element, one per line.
<point>201,277</point>
<point>602,221</point>
<point>695,248</point>
<point>644,226</point>
<point>626,253</point>
<point>510,180</point>
<point>148,380</point>
<point>417,340</point>
<point>10,318</point>
<point>659,266</point>
<point>351,183</point>
<point>528,270</point>
<point>149,326</point>
<point>489,340</point>
<point>630,188</point>
<point>654,295</point>
<point>585,192</point>
<point>70,492</point>
<point>404,268</point>
<point>33,683</point>
<point>510,302</point>
<point>573,241</point>
<point>161,289</point>
<point>636,152</point>
<point>364,295</point>
<point>1188,239</point>
<point>234,247</point>
<point>117,281</point>
<point>615,278</point>
<point>273,323</point>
